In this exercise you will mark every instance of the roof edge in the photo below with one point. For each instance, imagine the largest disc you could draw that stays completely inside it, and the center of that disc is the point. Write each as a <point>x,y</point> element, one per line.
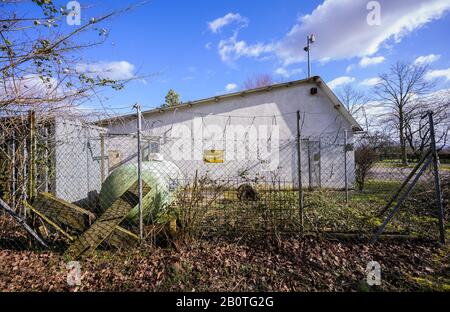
<point>216,98</point>
<point>356,127</point>
<point>315,79</point>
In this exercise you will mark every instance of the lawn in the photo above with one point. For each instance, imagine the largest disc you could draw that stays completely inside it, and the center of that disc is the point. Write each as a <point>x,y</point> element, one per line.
<point>324,211</point>
<point>397,164</point>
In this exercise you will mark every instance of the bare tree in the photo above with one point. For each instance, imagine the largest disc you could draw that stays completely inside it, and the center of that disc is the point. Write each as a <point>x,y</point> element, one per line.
<point>354,101</point>
<point>398,89</point>
<point>258,81</point>
<point>40,60</point>
<point>40,71</point>
<point>417,130</point>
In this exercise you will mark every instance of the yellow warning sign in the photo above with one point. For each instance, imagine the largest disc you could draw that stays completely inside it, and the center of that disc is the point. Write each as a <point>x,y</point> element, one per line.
<point>213,156</point>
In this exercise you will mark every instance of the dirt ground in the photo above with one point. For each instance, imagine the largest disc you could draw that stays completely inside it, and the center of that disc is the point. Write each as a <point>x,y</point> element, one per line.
<point>288,264</point>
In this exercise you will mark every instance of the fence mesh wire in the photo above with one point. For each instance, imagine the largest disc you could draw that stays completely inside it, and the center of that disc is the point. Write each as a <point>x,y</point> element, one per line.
<point>76,185</point>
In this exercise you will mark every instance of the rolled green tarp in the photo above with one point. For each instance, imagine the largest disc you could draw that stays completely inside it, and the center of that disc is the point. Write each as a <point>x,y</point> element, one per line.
<point>160,176</point>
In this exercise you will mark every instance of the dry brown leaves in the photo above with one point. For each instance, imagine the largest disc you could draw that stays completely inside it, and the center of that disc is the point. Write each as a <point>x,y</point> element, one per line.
<point>293,264</point>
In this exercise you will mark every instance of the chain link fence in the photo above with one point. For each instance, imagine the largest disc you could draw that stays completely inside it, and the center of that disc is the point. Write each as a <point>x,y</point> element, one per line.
<point>80,187</point>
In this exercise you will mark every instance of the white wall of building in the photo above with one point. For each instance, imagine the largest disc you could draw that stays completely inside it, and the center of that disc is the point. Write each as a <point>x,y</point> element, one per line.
<point>77,160</point>
<point>322,124</point>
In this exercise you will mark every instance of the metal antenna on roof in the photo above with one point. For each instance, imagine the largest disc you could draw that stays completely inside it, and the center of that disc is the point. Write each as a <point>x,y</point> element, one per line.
<point>309,40</point>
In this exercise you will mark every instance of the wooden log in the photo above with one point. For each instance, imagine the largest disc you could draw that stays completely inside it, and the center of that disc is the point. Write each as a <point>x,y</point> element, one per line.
<point>49,221</point>
<point>63,212</point>
<point>59,213</point>
<point>122,238</point>
<point>104,225</point>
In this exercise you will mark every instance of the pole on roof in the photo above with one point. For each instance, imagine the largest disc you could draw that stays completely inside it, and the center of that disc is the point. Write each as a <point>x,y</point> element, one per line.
<point>309,40</point>
<point>139,170</point>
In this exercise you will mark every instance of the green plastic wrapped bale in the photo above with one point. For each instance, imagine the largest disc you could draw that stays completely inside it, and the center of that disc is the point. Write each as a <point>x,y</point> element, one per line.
<point>160,181</point>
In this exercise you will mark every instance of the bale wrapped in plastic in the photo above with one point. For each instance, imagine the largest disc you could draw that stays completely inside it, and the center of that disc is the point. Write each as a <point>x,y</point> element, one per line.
<point>160,179</point>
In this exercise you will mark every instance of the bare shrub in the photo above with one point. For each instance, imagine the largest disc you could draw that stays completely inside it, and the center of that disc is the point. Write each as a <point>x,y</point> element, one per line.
<point>193,201</point>
<point>365,159</point>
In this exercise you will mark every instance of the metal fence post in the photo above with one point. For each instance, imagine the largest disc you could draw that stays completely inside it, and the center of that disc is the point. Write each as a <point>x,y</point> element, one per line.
<point>437,180</point>
<point>24,187</point>
<point>320,162</point>
<point>102,157</point>
<point>345,166</point>
<point>139,171</point>
<point>401,200</point>
<point>31,154</point>
<point>13,170</point>
<point>299,165</point>
<point>46,157</point>
<point>310,183</point>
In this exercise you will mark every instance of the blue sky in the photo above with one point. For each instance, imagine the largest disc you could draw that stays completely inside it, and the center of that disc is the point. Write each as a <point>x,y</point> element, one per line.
<point>175,44</point>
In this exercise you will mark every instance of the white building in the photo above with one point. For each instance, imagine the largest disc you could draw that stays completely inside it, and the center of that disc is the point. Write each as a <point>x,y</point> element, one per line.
<point>250,134</point>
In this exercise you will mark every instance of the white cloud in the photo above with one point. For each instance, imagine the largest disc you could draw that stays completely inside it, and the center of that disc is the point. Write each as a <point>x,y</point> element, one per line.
<point>121,70</point>
<point>324,60</point>
<point>333,84</point>
<point>334,23</point>
<point>231,49</point>
<point>376,108</point>
<point>438,73</point>
<point>370,81</point>
<point>216,25</point>
<point>208,46</point>
<point>369,61</point>
<point>426,59</point>
<point>287,73</point>
<point>29,86</point>
<point>349,68</point>
<point>342,31</point>
<point>375,113</point>
<point>230,87</point>
<point>282,72</point>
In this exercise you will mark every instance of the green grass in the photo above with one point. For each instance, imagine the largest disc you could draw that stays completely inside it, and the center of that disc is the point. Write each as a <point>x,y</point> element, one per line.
<point>398,164</point>
<point>325,210</point>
